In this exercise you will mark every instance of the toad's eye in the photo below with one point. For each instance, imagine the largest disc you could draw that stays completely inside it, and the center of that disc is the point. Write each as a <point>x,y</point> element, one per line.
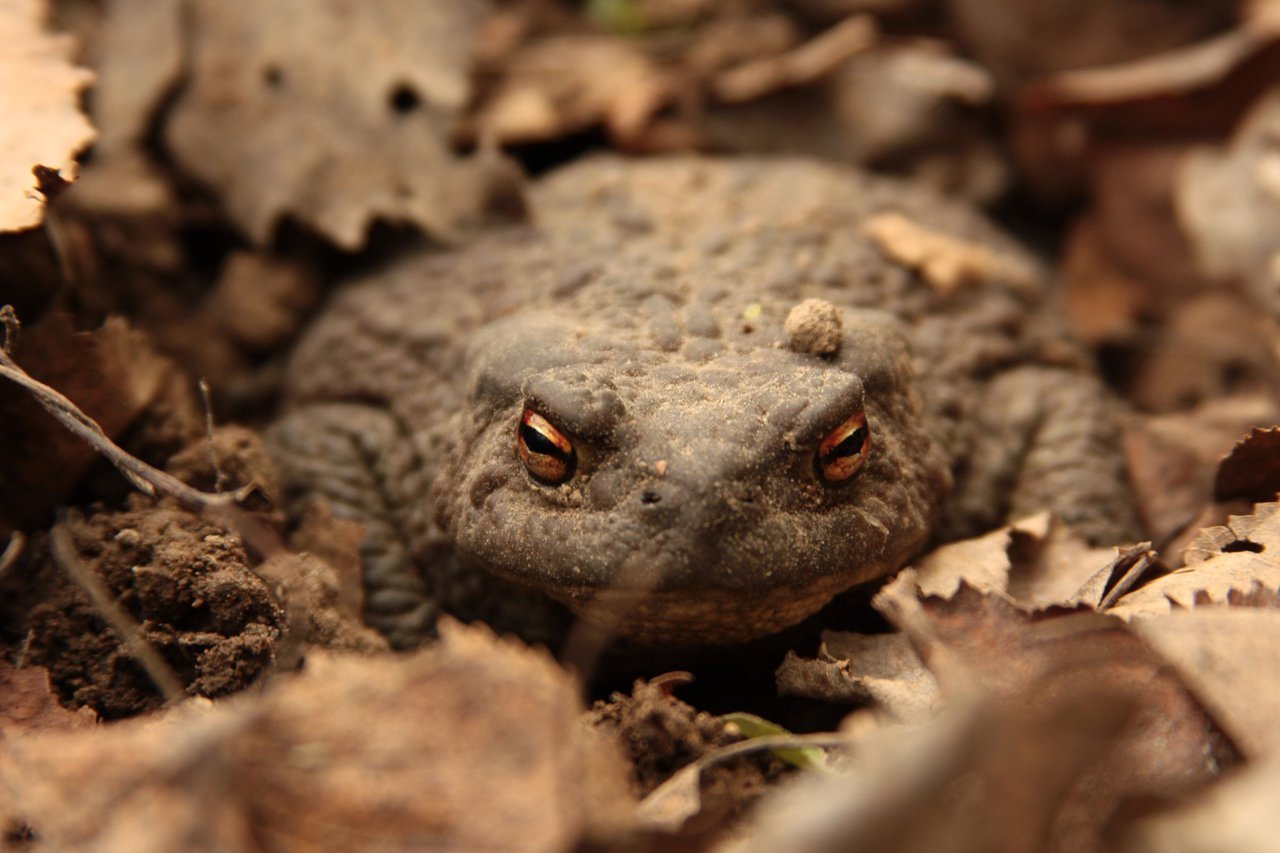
<point>843,452</point>
<point>546,452</point>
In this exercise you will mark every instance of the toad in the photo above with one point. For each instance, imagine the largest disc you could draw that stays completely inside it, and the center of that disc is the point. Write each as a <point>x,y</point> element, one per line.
<point>692,399</point>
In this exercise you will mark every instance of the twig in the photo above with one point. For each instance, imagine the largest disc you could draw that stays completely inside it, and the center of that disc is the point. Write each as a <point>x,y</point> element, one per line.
<point>225,508</point>
<point>144,477</point>
<point>9,319</point>
<point>219,479</point>
<point>63,551</point>
<point>12,552</point>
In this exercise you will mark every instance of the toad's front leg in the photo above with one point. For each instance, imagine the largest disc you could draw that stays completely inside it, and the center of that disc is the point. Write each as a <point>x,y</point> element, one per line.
<point>356,457</point>
<point>1045,438</point>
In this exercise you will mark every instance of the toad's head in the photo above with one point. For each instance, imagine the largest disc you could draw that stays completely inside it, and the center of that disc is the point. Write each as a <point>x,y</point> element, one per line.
<point>679,474</point>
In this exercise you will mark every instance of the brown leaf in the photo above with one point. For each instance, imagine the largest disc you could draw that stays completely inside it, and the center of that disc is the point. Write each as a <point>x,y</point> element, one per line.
<point>1019,39</point>
<point>1221,563</point>
<point>140,61</point>
<point>1210,346</point>
<point>1103,302</point>
<point>27,702</point>
<point>112,374</point>
<point>1164,748</point>
<point>1228,202</point>
<point>301,766</point>
<point>43,128</point>
<point>334,114</point>
<point>1237,816</point>
<point>947,262</point>
<point>1227,656</point>
<point>881,669</point>
<point>1079,721</point>
<point>1251,471</point>
<point>807,63</point>
<point>1036,562</point>
<point>568,83</point>
<point>1171,458</point>
<point>1063,121</point>
<point>1130,566</point>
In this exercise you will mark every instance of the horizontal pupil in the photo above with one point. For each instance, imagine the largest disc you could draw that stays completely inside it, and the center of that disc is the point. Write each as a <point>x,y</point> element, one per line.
<point>539,443</point>
<point>850,446</point>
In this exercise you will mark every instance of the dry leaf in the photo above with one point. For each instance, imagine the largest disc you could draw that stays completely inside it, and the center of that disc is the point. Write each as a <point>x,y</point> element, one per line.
<point>28,703</point>
<point>948,263</point>
<point>1251,471</point>
<point>1221,562</point>
<point>1166,746</point>
<point>1229,202</point>
<point>1036,562</point>
<point>569,83</point>
<point>1062,122</point>
<point>333,113</point>
<point>1171,458</point>
<point>1237,816</point>
<point>112,374</point>
<point>1103,302</point>
<point>1213,345</point>
<point>1131,566</point>
<point>1080,718</point>
<point>140,61</point>
<point>1026,39</point>
<point>43,128</point>
<point>1227,656</point>
<point>807,63</point>
<point>879,669</point>
<point>300,766</point>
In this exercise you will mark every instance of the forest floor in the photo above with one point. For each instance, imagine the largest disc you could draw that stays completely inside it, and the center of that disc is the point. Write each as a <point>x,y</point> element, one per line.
<point>184,182</point>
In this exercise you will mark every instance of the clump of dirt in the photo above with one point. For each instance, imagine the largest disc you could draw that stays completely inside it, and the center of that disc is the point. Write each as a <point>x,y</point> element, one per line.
<point>661,734</point>
<point>231,458</point>
<point>188,584</point>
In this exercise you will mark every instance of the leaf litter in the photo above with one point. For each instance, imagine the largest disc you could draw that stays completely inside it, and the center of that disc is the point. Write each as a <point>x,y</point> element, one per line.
<point>1026,691</point>
<point>43,128</point>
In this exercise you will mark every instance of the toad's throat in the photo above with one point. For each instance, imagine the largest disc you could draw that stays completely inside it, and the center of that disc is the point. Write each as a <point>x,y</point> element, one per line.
<point>707,617</point>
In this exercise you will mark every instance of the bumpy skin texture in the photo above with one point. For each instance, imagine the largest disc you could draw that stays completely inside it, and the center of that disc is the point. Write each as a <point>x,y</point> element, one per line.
<point>642,312</point>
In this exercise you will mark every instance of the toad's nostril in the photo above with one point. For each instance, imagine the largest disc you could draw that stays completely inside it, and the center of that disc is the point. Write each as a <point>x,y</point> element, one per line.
<point>649,497</point>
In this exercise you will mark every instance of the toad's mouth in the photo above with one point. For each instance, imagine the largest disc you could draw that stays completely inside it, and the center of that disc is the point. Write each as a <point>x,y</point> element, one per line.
<point>649,601</point>
<point>704,617</point>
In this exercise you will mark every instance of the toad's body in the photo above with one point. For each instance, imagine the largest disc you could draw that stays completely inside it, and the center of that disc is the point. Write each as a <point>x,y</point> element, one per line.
<point>641,314</point>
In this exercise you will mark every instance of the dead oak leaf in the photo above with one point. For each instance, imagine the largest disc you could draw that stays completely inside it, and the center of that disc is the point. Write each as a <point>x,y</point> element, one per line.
<point>1227,199</point>
<point>334,113</point>
<point>1237,816</point>
<point>1036,562</point>
<point>1252,470</point>
<point>111,373</point>
<point>374,752</point>
<point>1054,725</point>
<point>1225,655</point>
<point>43,127</point>
<point>1222,564</point>
<point>569,83</point>
<point>28,703</point>
<point>878,669</point>
<point>946,262</point>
